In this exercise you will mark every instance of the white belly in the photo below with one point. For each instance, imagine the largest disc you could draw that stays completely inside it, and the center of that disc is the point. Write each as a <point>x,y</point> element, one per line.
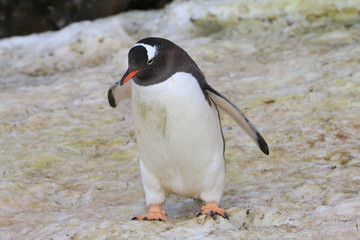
<point>179,137</point>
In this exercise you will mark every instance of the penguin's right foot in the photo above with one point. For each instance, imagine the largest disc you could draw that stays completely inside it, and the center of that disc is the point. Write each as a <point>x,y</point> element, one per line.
<point>156,213</point>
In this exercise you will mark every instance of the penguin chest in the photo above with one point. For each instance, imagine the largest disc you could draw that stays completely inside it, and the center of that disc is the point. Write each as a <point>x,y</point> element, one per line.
<point>170,110</point>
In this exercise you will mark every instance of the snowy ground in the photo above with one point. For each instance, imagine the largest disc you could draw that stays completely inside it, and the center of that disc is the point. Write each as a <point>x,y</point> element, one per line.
<point>69,163</point>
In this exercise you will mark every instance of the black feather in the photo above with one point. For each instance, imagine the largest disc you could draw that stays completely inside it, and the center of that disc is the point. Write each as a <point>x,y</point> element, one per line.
<point>262,144</point>
<point>111,98</point>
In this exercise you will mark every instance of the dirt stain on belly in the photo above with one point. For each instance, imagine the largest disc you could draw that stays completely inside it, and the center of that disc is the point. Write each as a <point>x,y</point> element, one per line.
<point>154,118</point>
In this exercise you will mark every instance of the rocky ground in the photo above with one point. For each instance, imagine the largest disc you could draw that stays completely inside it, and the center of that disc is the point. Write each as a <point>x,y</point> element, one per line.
<point>69,165</point>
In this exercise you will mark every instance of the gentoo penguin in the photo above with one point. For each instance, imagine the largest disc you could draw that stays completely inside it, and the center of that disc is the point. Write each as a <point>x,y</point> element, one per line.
<point>177,126</point>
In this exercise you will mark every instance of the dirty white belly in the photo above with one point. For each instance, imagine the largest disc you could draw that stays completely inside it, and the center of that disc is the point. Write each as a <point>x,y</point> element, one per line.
<point>179,135</point>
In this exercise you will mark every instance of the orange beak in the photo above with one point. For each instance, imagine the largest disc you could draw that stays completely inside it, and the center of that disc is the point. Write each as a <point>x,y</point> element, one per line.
<point>128,75</point>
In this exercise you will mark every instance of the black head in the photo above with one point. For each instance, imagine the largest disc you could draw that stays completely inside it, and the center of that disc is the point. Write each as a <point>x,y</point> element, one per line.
<point>153,60</point>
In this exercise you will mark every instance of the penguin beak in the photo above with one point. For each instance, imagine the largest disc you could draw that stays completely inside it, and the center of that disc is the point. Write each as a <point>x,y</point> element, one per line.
<point>128,75</point>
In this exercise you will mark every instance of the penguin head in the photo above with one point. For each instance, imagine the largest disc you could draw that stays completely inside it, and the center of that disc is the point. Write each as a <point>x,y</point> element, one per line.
<point>153,60</point>
<point>146,60</point>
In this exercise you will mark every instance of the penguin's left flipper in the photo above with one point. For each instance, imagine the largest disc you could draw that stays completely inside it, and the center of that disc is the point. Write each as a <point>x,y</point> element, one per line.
<point>231,109</point>
<point>118,93</point>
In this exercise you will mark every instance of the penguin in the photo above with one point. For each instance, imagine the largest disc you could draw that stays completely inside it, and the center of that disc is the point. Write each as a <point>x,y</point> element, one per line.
<point>177,126</point>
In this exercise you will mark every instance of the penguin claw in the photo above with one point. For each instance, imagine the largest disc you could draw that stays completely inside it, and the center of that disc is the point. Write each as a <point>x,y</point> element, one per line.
<point>212,209</point>
<point>152,216</point>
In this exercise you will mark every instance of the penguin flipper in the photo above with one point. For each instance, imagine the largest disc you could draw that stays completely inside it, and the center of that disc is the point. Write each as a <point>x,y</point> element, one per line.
<point>240,118</point>
<point>118,93</point>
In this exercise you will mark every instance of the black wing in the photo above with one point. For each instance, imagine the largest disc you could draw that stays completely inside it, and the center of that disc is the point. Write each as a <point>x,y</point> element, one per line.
<point>231,109</point>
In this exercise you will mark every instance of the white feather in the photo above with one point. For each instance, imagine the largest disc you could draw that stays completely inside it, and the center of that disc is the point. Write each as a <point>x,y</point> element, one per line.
<point>150,50</point>
<point>179,139</point>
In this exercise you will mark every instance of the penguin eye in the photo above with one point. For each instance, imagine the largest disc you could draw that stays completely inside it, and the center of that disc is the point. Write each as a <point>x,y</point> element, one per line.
<point>150,61</point>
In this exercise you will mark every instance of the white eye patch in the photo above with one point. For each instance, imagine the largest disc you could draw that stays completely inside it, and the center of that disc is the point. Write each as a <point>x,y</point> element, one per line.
<point>150,50</point>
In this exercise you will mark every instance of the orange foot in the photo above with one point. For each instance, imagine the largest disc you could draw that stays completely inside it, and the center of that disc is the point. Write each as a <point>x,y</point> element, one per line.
<point>156,213</point>
<point>212,209</point>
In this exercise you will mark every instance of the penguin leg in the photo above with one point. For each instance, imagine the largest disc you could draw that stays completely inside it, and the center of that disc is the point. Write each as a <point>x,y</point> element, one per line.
<point>212,209</point>
<point>156,213</point>
<point>154,194</point>
<point>213,194</point>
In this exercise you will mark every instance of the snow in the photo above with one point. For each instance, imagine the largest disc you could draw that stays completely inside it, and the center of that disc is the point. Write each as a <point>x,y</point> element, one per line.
<point>69,164</point>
